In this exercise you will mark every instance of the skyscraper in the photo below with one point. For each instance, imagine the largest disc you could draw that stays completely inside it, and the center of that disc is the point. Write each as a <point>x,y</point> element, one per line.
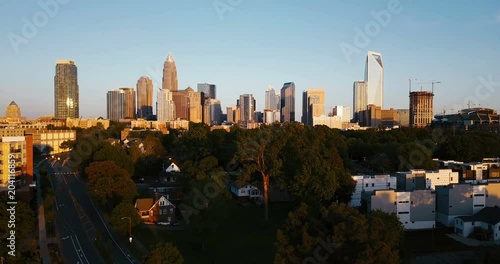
<point>144,97</point>
<point>360,97</point>
<point>247,108</point>
<point>166,109</point>
<point>194,104</point>
<point>287,110</point>
<point>215,111</point>
<point>209,90</point>
<point>66,94</point>
<point>421,108</point>
<point>121,104</point>
<point>374,79</point>
<point>313,104</point>
<point>270,99</point>
<point>170,74</point>
<point>278,103</point>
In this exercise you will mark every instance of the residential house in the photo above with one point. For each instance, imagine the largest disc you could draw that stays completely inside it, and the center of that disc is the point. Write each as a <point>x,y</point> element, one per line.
<point>161,210</point>
<point>246,192</point>
<point>485,222</point>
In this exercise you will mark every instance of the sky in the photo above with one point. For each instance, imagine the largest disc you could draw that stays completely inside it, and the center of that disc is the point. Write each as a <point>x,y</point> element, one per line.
<point>243,46</point>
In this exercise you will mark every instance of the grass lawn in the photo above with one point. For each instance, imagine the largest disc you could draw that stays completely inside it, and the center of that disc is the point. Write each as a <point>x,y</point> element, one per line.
<point>241,237</point>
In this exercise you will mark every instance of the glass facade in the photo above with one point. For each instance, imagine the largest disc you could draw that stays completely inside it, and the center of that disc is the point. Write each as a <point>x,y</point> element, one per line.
<point>66,91</point>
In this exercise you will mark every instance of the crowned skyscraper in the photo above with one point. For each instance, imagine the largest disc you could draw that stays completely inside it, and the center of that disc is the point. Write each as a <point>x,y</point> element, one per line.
<point>170,74</point>
<point>66,103</point>
<point>374,79</point>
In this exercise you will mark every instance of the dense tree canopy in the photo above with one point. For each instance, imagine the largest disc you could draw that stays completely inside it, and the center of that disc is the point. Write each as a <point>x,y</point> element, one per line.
<point>165,254</point>
<point>338,234</point>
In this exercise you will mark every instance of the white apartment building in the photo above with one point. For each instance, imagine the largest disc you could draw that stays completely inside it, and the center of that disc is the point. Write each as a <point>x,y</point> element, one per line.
<point>370,183</point>
<point>421,179</point>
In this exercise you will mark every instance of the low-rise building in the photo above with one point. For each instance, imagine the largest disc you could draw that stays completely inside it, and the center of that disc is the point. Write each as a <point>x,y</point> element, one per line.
<point>86,123</point>
<point>369,183</point>
<point>422,180</point>
<point>49,141</point>
<point>157,210</point>
<point>484,225</point>
<point>415,209</point>
<point>464,199</point>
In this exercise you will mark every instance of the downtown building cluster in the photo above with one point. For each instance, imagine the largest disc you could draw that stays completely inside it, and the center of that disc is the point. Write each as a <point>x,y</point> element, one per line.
<point>176,108</point>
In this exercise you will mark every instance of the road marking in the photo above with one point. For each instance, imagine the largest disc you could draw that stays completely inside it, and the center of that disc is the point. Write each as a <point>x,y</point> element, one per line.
<point>74,246</point>
<point>78,241</point>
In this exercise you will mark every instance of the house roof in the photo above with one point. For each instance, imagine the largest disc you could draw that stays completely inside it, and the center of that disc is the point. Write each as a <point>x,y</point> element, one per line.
<point>144,204</point>
<point>490,215</point>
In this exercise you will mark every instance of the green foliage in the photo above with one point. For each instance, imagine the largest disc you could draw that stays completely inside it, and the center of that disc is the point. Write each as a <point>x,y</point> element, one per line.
<point>122,225</point>
<point>165,254</point>
<point>110,184</point>
<point>341,234</point>
<point>116,154</point>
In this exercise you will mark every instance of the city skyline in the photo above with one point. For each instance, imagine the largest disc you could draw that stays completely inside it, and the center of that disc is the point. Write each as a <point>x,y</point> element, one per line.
<point>469,32</point>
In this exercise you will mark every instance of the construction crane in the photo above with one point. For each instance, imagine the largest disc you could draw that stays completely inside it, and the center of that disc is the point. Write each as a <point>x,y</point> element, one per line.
<point>411,79</point>
<point>432,83</point>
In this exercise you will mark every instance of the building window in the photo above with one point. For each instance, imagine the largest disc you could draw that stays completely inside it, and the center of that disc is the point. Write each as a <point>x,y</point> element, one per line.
<point>171,210</point>
<point>404,213</point>
<point>159,212</point>
<point>388,184</point>
<point>373,184</point>
<point>479,205</point>
<point>366,185</point>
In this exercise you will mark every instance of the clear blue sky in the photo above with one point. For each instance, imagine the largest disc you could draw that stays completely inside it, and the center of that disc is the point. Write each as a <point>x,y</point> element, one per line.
<point>256,44</point>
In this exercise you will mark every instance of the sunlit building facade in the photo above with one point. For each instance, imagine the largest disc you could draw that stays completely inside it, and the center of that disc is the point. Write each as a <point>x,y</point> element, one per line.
<point>66,91</point>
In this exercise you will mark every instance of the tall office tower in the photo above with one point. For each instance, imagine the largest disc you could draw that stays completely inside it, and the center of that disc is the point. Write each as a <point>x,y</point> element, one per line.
<point>344,112</point>
<point>121,104</point>
<point>313,105</point>
<point>181,105</point>
<point>287,107</point>
<point>421,108</point>
<point>170,74</point>
<point>66,102</point>
<point>215,110</point>
<point>230,113</point>
<point>374,79</point>
<point>195,112</point>
<point>166,109</point>
<point>209,90</point>
<point>246,105</point>
<point>278,103</point>
<point>270,99</point>
<point>360,97</point>
<point>144,97</point>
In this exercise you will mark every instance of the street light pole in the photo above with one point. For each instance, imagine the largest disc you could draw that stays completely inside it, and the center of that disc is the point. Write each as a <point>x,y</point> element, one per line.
<point>129,227</point>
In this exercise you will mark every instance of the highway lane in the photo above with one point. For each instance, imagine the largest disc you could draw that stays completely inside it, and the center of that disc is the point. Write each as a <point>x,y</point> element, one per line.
<point>89,216</point>
<point>76,243</point>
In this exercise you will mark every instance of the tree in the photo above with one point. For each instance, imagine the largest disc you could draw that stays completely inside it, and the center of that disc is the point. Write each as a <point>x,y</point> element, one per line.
<point>341,234</point>
<point>258,152</point>
<point>116,154</point>
<point>165,254</point>
<point>110,184</point>
<point>68,144</point>
<point>122,225</point>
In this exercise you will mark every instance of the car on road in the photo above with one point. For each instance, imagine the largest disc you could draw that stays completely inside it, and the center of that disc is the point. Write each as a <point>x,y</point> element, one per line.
<point>164,223</point>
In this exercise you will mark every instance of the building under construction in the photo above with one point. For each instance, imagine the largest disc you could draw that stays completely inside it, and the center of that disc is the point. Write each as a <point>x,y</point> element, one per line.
<point>421,108</point>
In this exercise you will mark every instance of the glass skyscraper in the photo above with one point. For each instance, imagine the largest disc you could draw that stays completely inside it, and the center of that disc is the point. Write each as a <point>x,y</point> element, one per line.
<point>287,111</point>
<point>66,91</point>
<point>374,79</point>
<point>360,97</point>
<point>170,81</point>
<point>209,90</point>
<point>121,104</point>
<point>144,97</point>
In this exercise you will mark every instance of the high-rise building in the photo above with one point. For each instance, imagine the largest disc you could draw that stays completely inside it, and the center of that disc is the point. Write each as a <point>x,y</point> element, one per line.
<point>165,110</point>
<point>181,104</point>
<point>278,103</point>
<point>421,108</point>
<point>16,158</point>
<point>209,90</point>
<point>215,111</point>
<point>247,107</point>
<point>313,105</point>
<point>374,79</point>
<point>271,116</point>
<point>360,98</point>
<point>121,104</point>
<point>287,107</point>
<point>66,94</point>
<point>170,81</point>
<point>194,104</point>
<point>344,112</point>
<point>270,99</point>
<point>144,97</point>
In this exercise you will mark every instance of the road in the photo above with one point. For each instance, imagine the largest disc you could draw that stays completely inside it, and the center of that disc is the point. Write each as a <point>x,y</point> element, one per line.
<point>79,224</point>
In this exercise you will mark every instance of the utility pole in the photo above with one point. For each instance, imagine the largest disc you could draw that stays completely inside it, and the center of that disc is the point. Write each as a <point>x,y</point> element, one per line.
<point>129,227</point>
